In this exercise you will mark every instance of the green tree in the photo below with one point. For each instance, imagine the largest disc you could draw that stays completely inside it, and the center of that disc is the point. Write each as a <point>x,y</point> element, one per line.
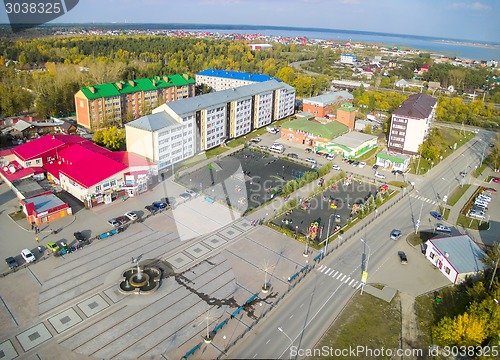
<point>113,138</point>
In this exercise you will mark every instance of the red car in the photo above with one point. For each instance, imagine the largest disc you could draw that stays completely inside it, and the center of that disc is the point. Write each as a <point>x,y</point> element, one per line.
<point>496,180</point>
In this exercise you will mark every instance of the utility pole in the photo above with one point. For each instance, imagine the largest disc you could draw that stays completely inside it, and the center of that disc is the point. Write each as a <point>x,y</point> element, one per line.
<point>494,273</point>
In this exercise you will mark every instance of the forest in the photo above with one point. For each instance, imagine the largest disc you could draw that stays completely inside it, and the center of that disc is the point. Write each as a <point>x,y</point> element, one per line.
<point>42,74</point>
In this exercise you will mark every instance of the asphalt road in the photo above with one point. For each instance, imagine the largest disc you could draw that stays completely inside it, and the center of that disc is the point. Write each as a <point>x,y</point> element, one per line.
<point>311,307</point>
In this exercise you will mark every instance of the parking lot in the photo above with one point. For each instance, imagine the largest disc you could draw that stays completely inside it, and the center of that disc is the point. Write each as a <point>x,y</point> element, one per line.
<point>245,180</point>
<point>338,202</point>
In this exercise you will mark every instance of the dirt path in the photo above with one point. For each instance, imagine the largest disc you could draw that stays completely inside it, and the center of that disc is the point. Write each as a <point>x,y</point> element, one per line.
<point>409,324</point>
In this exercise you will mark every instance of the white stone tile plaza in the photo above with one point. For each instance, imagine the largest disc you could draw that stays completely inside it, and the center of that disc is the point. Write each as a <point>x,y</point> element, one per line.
<point>65,320</point>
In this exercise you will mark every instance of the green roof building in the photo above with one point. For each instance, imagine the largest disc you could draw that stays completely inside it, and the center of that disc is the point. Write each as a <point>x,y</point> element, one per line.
<point>307,131</point>
<point>115,103</point>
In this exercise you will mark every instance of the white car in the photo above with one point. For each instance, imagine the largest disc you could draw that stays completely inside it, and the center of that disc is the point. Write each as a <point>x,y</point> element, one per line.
<point>335,167</point>
<point>131,215</point>
<point>443,228</point>
<point>330,157</point>
<point>362,164</point>
<point>28,256</point>
<point>379,175</point>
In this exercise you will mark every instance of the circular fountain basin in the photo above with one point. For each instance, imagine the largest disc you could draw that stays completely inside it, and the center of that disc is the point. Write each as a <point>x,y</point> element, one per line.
<point>144,281</point>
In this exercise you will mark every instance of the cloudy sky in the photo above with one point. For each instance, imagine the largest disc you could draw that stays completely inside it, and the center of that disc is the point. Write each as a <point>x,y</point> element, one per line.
<point>461,19</point>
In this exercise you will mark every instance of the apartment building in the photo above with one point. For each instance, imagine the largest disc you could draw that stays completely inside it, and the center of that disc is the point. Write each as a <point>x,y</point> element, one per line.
<point>227,79</point>
<point>410,124</point>
<point>114,103</point>
<point>204,122</point>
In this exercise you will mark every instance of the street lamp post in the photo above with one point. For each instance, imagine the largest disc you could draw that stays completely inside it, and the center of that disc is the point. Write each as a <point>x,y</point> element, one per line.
<point>448,192</point>
<point>328,233</point>
<point>365,271</point>
<point>306,251</point>
<point>289,338</point>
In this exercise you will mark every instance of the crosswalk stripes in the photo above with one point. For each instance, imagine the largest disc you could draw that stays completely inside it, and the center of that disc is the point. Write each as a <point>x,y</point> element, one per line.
<point>422,198</point>
<point>337,275</point>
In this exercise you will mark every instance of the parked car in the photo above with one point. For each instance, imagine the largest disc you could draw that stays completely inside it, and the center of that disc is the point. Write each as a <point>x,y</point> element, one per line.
<point>330,157</point>
<point>122,219</point>
<point>463,173</point>
<point>131,215</point>
<point>319,153</point>
<point>151,208</point>
<point>185,196</point>
<point>496,180</point>
<point>256,140</point>
<point>335,167</point>
<point>308,150</point>
<point>395,234</point>
<point>484,196</point>
<point>362,164</point>
<point>11,262</point>
<point>293,156</point>
<point>436,215</point>
<point>379,175</point>
<point>52,246</point>
<point>402,257</point>
<point>159,205</point>
<point>79,236</point>
<point>311,160</point>
<point>442,228</point>
<point>355,163</point>
<point>350,161</point>
<point>476,216</point>
<point>375,167</point>
<point>263,147</point>
<point>28,256</point>
<point>113,222</point>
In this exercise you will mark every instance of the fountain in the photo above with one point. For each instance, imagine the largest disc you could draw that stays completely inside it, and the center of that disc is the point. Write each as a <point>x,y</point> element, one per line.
<point>140,280</point>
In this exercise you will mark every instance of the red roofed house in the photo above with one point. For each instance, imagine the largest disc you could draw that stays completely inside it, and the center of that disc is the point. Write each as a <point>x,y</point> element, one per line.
<point>44,208</point>
<point>89,172</point>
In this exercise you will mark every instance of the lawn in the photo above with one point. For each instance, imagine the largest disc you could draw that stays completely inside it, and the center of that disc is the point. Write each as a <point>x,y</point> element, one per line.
<point>360,324</point>
<point>471,223</point>
<point>457,194</point>
<point>18,215</point>
<point>417,239</point>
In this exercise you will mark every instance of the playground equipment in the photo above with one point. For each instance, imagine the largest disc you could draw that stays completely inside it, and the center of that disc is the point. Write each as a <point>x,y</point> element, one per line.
<point>313,230</point>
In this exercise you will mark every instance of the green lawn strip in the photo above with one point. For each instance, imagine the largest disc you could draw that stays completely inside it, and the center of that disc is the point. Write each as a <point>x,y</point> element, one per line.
<point>457,194</point>
<point>479,170</point>
<point>359,324</point>
<point>450,137</point>
<point>471,223</point>
<point>421,237</point>
<point>370,155</point>
<point>18,215</point>
<point>398,184</point>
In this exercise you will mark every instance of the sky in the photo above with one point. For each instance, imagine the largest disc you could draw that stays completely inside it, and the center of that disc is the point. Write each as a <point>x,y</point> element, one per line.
<point>458,19</point>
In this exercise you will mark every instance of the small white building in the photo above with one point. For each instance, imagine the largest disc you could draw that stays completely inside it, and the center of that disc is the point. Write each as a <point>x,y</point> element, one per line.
<point>349,59</point>
<point>456,256</point>
<point>393,161</point>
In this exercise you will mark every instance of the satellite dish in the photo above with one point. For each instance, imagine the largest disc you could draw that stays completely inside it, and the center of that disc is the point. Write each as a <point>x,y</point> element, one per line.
<point>12,169</point>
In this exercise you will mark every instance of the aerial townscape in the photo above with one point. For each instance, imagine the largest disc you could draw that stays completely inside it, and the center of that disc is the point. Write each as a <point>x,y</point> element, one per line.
<point>194,191</point>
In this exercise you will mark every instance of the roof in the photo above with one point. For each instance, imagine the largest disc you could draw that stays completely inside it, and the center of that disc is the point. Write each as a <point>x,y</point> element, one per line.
<point>193,104</point>
<point>328,130</point>
<point>347,106</point>
<point>393,157</point>
<point>14,171</point>
<point>126,87</point>
<point>329,98</point>
<point>38,147</point>
<point>417,106</point>
<point>463,253</point>
<point>45,202</point>
<point>79,164</point>
<point>353,139</point>
<point>239,75</point>
<point>153,122</point>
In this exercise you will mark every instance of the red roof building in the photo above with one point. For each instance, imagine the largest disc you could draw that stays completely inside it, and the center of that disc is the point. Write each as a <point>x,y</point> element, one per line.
<point>44,208</point>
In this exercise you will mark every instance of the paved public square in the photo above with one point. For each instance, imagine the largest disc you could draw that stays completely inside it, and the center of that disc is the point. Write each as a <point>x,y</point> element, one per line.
<point>70,307</point>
